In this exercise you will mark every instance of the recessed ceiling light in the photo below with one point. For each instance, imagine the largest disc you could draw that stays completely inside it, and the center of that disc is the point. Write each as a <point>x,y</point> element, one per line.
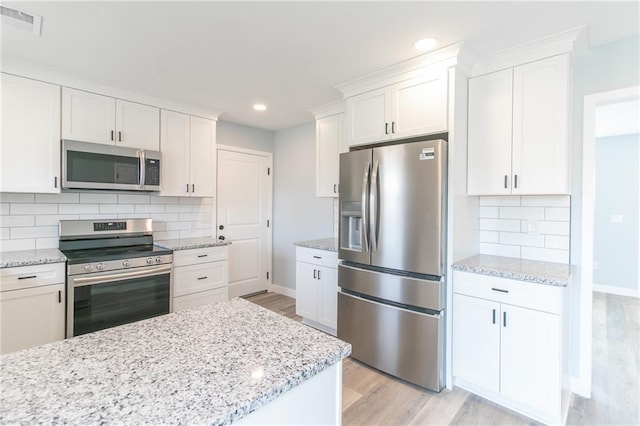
<point>425,44</point>
<point>260,107</point>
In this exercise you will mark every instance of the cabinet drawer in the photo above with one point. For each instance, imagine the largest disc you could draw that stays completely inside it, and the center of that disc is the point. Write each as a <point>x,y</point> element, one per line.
<point>317,257</point>
<point>199,299</point>
<point>196,278</point>
<point>540,297</point>
<point>31,276</point>
<point>199,255</point>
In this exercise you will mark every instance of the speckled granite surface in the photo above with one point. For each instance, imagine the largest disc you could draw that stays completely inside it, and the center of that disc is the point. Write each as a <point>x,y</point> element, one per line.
<point>189,367</point>
<point>534,271</point>
<point>328,244</point>
<point>11,259</point>
<point>190,243</point>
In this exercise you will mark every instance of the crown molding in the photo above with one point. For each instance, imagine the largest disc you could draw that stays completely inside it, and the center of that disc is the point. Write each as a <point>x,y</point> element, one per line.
<point>326,110</point>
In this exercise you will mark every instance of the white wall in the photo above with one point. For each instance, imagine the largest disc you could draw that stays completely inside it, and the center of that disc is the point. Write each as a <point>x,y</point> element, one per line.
<point>234,134</point>
<point>298,214</point>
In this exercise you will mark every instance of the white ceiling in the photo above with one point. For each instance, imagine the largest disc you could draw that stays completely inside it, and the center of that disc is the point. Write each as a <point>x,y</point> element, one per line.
<point>288,55</point>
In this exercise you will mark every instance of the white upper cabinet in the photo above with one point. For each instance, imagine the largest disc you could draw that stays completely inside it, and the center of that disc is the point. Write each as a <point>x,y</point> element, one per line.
<point>413,106</point>
<point>518,130</point>
<point>329,135</point>
<point>30,138</point>
<point>90,117</point>
<point>188,146</point>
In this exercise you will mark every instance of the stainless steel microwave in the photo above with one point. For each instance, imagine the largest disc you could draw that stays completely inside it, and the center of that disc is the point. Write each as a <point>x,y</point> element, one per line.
<point>97,166</point>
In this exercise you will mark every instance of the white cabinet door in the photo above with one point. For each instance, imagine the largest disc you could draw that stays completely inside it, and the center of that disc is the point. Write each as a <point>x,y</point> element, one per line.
<point>30,138</point>
<point>540,120</point>
<point>137,125</point>
<point>203,157</point>
<point>489,134</point>
<point>31,317</point>
<point>328,142</point>
<point>174,146</point>
<point>307,290</point>
<point>88,117</point>
<point>529,354</point>
<point>328,314</point>
<point>367,117</point>
<point>419,105</point>
<point>476,341</point>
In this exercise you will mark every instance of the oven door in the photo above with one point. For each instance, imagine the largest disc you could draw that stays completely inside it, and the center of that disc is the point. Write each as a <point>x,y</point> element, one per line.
<point>107,299</point>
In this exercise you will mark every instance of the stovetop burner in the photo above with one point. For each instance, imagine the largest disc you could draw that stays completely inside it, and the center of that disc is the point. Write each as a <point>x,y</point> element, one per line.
<point>113,253</point>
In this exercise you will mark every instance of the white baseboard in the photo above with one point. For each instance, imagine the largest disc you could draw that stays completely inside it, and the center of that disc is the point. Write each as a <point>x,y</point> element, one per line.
<point>618,291</point>
<point>578,388</point>
<point>282,290</point>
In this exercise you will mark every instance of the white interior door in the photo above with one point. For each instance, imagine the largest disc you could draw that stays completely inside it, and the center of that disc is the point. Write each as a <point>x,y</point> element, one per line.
<point>244,212</point>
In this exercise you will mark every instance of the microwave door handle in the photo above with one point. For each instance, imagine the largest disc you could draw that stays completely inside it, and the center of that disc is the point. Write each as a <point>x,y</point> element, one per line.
<point>143,169</point>
<point>365,207</point>
<point>374,201</point>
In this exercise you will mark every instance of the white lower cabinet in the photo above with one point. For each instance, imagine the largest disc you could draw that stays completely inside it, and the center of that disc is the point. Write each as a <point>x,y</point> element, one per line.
<point>317,288</point>
<point>509,344</point>
<point>32,306</point>
<point>200,277</point>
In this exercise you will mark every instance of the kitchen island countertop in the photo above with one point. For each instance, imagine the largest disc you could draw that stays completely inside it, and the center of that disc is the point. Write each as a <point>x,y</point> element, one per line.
<point>12,259</point>
<point>556,274</point>
<point>212,365</point>
<point>327,244</point>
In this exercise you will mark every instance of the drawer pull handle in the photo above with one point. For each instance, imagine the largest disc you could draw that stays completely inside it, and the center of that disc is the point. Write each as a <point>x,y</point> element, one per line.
<point>317,257</point>
<point>203,255</point>
<point>27,277</point>
<point>504,319</point>
<point>59,296</point>
<point>500,290</point>
<point>314,274</point>
<point>494,316</point>
<point>202,278</point>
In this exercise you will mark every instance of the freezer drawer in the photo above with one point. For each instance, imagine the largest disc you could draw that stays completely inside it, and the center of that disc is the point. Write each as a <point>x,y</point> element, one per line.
<point>403,343</point>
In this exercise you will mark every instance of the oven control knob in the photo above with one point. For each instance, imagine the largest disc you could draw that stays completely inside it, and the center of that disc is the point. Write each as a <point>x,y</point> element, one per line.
<point>100,266</point>
<point>158,259</point>
<point>87,268</point>
<point>126,263</point>
<point>149,260</point>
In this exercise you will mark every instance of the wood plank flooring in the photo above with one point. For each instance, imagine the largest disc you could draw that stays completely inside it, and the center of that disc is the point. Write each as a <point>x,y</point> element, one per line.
<point>370,397</point>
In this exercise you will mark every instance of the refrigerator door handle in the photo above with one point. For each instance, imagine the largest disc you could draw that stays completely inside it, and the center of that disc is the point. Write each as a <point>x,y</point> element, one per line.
<point>374,200</point>
<point>365,207</point>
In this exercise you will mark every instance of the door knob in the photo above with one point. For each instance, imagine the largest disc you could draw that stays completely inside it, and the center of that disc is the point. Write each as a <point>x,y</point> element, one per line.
<point>221,238</point>
<point>221,227</point>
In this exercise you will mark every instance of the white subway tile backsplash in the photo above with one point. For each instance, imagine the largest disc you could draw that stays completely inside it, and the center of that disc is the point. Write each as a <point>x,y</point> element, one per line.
<point>520,239</point>
<point>165,217</point>
<point>178,208</point>
<point>554,228</point>
<point>168,235</point>
<point>545,254</point>
<point>96,216</point>
<point>8,197</point>
<point>194,233</point>
<point>11,221</point>
<point>535,213</point>
<point>132,216</point>
<point>500,250</point>
<point>53,219</point>
<point>557,213</point>
<point>506,200</point>
<point>556,242</point>
<point>32,208</point>
<point>79,209</point>
<point>22,244</point>
<point>34,232</point>
<point>116,208</point>
<point>190,200</point>
<point>188,216</point>
<point>92,198</point>
<point>45,243</point>
<point>150,208</point>
<point>4,209</point>
<point>159,226</point>
<point>133,199</point>
<point>58,198</point>
<point>499,225</point>
<point>5,233</point>
<point>488,212</point>
<point>489,236</point>
<point>178,226</point>
<point>545,200</point>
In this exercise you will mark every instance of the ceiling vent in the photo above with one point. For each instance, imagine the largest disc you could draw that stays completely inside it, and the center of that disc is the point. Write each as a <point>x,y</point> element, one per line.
<point>20,20</point>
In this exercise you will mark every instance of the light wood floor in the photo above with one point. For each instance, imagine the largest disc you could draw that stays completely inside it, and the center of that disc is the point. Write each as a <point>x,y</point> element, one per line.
<point>370,397</point>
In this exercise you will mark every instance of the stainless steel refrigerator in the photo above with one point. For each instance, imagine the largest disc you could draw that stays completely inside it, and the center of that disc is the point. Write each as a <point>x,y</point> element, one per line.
<point>392,249</point>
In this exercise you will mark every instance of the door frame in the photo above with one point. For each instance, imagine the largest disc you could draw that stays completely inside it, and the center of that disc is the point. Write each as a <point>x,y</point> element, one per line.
<point>269,156</point>
<point>591,102</point>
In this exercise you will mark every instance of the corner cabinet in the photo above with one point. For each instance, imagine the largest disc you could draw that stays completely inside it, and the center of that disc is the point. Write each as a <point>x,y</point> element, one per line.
<point>510,343</point>
<point>413,106</point>
<point>329,136</point>
<point>188,147</point>
<point>30,138</point>
<point>518,139</point>
<point>32,306</point>
<point>317,288</point>
<point>90,117</point>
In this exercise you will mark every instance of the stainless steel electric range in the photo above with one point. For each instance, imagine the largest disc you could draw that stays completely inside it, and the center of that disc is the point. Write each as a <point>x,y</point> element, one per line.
<point>115,275</point>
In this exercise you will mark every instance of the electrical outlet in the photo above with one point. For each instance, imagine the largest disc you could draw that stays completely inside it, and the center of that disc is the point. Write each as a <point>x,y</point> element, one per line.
<point>532,227</point>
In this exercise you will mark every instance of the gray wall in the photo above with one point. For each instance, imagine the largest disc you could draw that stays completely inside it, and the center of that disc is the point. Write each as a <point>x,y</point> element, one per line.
<point>244,136</point>
<point>615,245</point>
<point>298,214</point>
<point>610,66</point>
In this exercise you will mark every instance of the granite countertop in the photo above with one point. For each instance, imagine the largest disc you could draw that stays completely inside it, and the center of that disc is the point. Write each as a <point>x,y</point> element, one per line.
<point>190,243</point>
<point>556,274</point>
<point>189,367</point>
<point>328,244</point>
<point>11,259</point>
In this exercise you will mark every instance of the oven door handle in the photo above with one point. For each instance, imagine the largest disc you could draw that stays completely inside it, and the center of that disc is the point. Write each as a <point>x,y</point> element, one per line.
<point>83,281</point>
